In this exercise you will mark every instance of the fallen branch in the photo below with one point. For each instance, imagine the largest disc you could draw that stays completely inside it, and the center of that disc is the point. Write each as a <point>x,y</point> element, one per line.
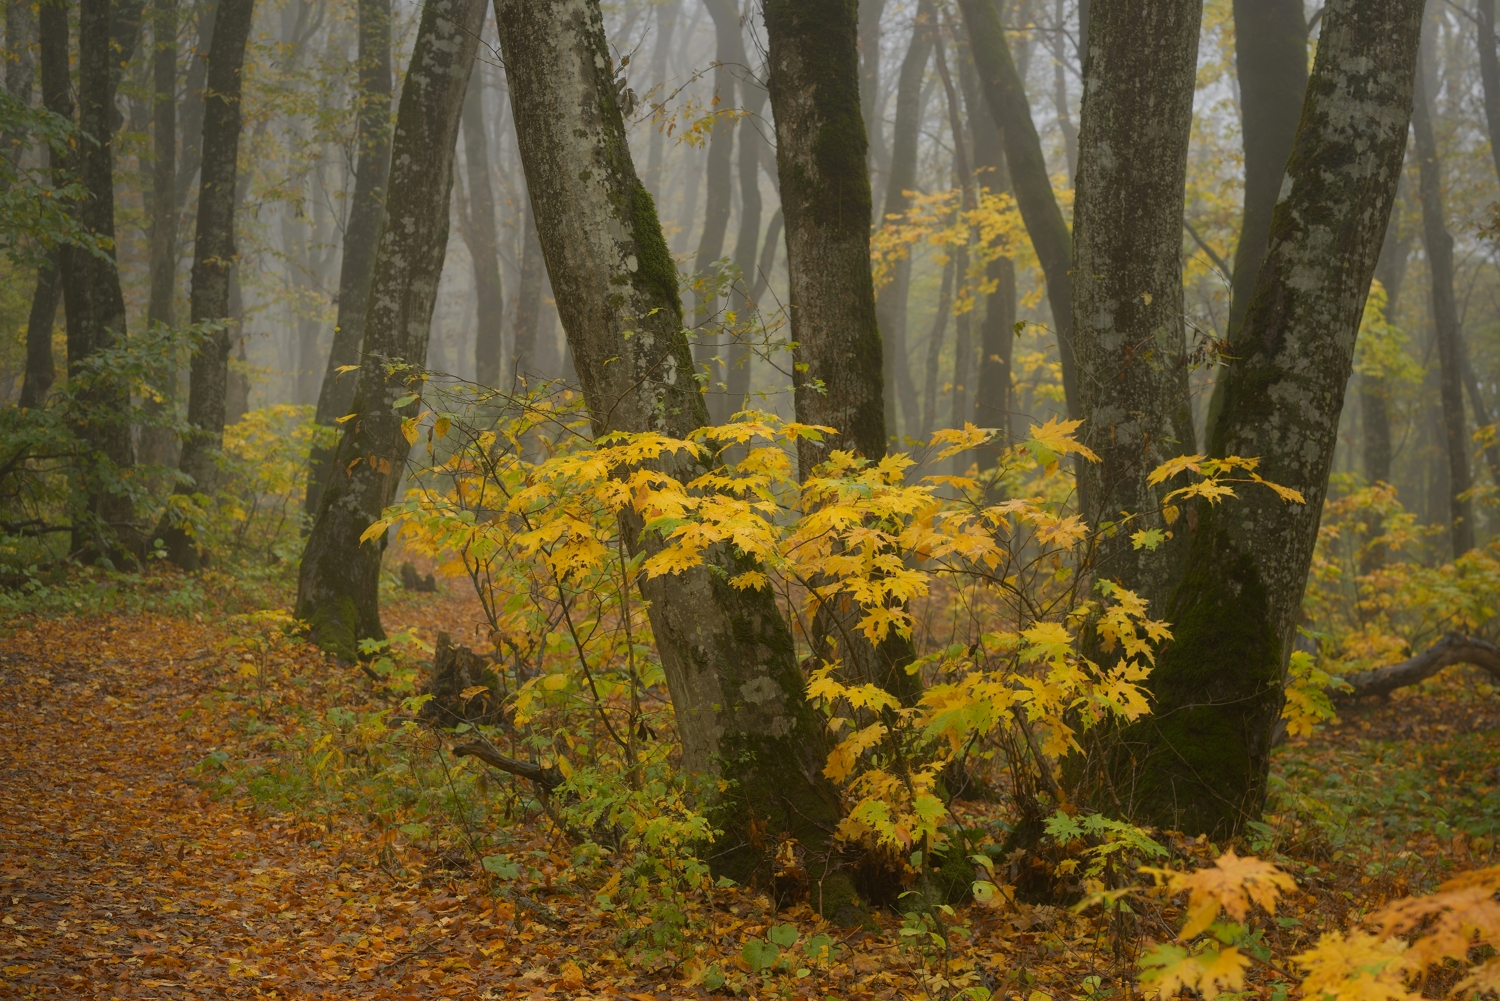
<point>548,778</point>
<point>1453,648</point>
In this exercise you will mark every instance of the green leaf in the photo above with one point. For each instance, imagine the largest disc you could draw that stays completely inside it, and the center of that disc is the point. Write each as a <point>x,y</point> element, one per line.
<point>501,866</point>
<point>760,955</point>
<point>783,935</point>
<point>1148,538</point>
<point>406,400</point>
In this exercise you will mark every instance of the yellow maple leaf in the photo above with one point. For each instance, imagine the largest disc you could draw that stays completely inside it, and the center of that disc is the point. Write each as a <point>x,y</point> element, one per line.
<point>1231,883</point>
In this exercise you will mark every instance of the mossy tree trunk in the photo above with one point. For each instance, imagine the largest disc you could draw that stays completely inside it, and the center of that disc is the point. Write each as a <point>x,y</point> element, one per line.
<point>1199,762</point>
<point>1005,96</point>
<point>728,655</point>
<point>103,515</point>
<point>1438,243</point>
<point>213,258</point>
<point>1127,285</point>
<point>338,586</point>
<point>825,198</point>
<point>361,233</point>
<point>890,303</point>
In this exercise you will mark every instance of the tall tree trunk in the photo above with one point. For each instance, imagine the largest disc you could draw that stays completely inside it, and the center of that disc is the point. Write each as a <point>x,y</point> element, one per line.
<point>890,304</point>
<point>879,158</point>
<point>528,318</point>
<point>361,233</point>
<point>729,52</point>
<point>935,348</point>
<point>213,256</point>
<point>825,195</point>
<point>666,25</point>
<point>1489,76</point>
<point>1005,95</point>
<point>1438,243</point>
<point>963,347</point>
<point>193,105</point>
<point>338,584</point>
<point>104,523</point>
<point>158,444</point>
<point>1127,248</point>
<point>20,69</point>
<point>1374,393</point>
<point>1199,762</point>
<point>739,371</point>
<point>1060,88</point>
<point>752,147</point>
<point>57,97</point>
<point>727,653</point>
<point>483,239</point>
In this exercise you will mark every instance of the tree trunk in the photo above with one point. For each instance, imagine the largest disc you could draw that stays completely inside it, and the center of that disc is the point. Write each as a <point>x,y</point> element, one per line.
<point>338,585</point>
<point>935,348</point>
<point>361,233</point>
<point>1489,76</point>
<point>728,656</point>
<point>739,371</point>
<point>483,239</point>
<point>963,347</point>
<point>729,52</point>
<point>666,24</point>
<point>105,522</point>
<point>1127,294</point>
<point>528,300</point>
<point>1005,95</point>
<point>158,444</point>
<point>1199,763</point>
<point>52,37</point>
<point>879,160</point>
<point>1060,89</point>
<point>825,196</point>
<point>193,104</point>
<point>1438,243</point>
<point>20,69</point>
<point>890,304</point>
<point>213,256</point>
<point>1374,394</point>
<point>752,147</point>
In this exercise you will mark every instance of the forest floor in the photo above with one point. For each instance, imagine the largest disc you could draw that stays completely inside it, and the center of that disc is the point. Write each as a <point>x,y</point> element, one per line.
<point>132,867</point>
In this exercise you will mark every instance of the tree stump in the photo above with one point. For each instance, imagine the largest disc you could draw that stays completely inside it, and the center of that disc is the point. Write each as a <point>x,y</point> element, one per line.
<point>457,670</point>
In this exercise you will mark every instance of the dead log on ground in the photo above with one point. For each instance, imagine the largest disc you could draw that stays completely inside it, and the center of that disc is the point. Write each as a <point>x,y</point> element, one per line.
<point>1454,648</point>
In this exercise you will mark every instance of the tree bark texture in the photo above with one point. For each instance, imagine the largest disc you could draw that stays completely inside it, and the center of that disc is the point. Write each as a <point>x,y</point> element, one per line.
<point>105,522</point>
<point>57,97</point>
<point>1199,762</point>
<point>361,233</point>
<point>483,240</point>
<point>1005,95</point>
<point>1127,291</point>
<point>728,654</point>
<point>1489,75</point>
<point>1270,59</point>
<point>1438,243</point>
<point>890,303</point>
<point>825,197</point>
<point>338,589</point>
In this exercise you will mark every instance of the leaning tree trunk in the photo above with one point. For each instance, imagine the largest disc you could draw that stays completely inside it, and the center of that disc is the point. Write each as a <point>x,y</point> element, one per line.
<point>361,234</point>
<point>825,196</point>
<point>1005,95</point>
<point>727,653</point>
<point>1438,243</point>
<point>213,257</point>
<point>890,303</point>
<point>1127,292</point>
<point>104,516</point>
<point>1199,762</point>
<point>483,240</point>
<point>338,584</point>
<point>57,97</point>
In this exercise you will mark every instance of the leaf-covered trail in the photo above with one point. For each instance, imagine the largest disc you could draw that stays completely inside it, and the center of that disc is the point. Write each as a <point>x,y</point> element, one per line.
<point>120,878</point>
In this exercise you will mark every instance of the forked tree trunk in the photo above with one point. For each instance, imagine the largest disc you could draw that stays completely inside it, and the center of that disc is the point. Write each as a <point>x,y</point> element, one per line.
<point>1005,96</point>
<point>213,259</point>
<point>1438,243</point>
<point>890,303</point>
<point>361,234</point>
<point>1127,288</point>
<point>483,239</point>
<point>825,196</point>
<point>728,656</point>
<point>104,516</point>
<point>57,97</point>
<point>1199,762</point>
<point>338,584</point>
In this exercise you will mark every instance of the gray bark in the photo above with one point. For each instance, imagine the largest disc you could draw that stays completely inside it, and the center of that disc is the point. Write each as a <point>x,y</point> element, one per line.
<point>752,147</point>
<point>666,25</point>
<point>361,232</point>
<point>729,57</point>
<point>528,318</point>
<point>1374,393</point>
<point>728,655</point>
<point>159,444</point>
<point>963,348</point>
<point>825,198</point>
<point>1438,243</point>
<point>1127,248</point>
<point>1060,89</point>
<point>338,582</point>
<point>57,97</point>
<point>1199,762</point>
<point>869,89</point>
<point>1489,76</point>
<point>890,303</point>
<point>483,239</point>
<point>20,68</point>
<point>104,517</point>
<point>1454,648</point>
<point>1005,96</point>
